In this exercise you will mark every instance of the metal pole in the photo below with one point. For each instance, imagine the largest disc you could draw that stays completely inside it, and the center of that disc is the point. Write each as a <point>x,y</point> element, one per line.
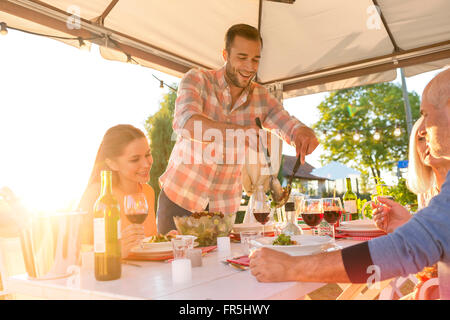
<point>407,105</point>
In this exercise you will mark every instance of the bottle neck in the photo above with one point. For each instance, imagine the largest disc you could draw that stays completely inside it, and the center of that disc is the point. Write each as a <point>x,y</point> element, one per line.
<point>349,185</point>
<point>106,183</point>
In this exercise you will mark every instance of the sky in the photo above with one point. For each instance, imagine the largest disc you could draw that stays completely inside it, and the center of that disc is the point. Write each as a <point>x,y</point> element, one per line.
<point>56,103</point>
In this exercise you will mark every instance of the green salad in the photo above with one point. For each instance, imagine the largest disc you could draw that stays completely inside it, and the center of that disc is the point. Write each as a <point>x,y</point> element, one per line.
<point>283,240</point>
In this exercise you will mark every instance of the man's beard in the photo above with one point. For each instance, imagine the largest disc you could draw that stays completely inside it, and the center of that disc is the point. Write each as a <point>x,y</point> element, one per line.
<point>232,76</point>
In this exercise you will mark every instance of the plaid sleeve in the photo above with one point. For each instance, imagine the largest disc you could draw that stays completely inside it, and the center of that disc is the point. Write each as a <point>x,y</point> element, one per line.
<point>189,101</point>
<point>280,122</point>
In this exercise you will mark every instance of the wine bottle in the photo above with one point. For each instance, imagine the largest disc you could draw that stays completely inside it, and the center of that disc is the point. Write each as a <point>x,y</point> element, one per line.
<point>350,203</point>
<point>107,247</point>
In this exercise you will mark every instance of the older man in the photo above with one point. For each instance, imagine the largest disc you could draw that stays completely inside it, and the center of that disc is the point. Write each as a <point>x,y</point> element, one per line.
<point>422,241</point>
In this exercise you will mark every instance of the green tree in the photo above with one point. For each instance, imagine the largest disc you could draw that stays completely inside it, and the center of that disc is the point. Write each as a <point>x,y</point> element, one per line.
<point>366,109</point>
<point>159,130</point>
<point>403,195</point>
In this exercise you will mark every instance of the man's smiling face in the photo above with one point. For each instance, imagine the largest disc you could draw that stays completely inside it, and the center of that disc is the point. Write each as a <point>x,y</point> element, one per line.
<point>242,61</point>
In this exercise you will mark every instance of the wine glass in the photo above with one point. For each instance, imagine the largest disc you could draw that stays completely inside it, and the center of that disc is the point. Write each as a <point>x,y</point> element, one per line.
<point>312,213</point>
<point>262,216</point>
<point>135,207</point>
<point>332,212</point>
<point>261,208</point>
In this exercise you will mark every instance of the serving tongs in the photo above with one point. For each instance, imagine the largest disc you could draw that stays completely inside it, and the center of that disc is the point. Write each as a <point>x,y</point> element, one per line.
<point>279,194</point>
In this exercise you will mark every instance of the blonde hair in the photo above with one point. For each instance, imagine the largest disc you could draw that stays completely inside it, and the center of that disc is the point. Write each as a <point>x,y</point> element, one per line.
<point>421,178</point>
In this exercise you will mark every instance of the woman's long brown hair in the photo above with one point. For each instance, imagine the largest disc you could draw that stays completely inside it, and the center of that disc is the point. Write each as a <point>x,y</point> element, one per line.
<point>113,145</point>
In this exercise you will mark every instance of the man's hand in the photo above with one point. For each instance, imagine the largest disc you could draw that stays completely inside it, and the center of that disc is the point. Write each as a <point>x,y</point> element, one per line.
<point>390,215</point>
<point>305,142</point>
<point>269,265</point>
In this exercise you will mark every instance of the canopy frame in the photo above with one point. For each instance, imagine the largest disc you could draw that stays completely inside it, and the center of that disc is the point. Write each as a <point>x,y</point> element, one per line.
<point>49,16</point>
<point>42,13</point>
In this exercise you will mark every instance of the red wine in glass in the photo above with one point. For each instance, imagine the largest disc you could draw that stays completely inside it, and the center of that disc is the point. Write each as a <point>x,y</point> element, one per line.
<point>312,219</point>
<point>332,216</point>
<point>332,208</point>
<point>137,218</point>
<point>262,217</point>
<point>136,208</point>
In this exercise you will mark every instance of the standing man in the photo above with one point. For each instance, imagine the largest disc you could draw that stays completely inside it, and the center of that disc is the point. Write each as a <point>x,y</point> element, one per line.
<point>420,242</point>
<point>220,103</point>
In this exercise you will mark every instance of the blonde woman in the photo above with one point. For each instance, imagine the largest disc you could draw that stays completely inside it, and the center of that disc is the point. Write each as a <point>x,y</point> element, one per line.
<point>426,175</point>
<point>423,179</point>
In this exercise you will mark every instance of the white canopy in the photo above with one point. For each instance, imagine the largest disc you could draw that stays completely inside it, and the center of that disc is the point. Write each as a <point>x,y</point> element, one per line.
<point>335,170</point>
<point>308,46</point>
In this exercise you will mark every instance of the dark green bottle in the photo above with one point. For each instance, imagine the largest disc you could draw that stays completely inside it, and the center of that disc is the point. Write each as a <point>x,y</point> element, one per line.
<point>107,246</point>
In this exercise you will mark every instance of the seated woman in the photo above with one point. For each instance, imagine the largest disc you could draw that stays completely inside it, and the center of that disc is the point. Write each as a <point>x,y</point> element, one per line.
<point>124,151</point>
<point>426,175</point>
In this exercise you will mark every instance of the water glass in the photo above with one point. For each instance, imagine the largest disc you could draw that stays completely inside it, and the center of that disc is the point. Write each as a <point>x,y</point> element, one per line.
<point>189,240</point>
<point>246,238</point>
<point>179,247</point>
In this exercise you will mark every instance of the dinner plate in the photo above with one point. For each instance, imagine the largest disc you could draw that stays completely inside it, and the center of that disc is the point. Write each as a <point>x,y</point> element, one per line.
<point>156,246</point>
<point>159,247</point>
<point>306,244</point>
<point>360,229</point>
<point>362,234</point>
<point>365,224</point>
<point>150,252</point>
<point>256,226</point>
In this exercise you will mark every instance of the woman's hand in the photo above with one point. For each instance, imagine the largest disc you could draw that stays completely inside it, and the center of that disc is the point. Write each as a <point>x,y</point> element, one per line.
<point>131,237</point>
<point>389,215</point>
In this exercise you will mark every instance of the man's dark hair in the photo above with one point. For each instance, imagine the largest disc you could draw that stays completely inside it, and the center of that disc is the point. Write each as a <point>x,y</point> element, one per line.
<point>243,30</point>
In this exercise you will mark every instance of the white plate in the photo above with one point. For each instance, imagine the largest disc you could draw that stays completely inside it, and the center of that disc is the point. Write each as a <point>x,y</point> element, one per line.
<point>156,246</point>
<point>361,229</point>
<point>151,252</point>
<point>307,244</point>
<point>240,227</point>
<point>363,234</point>
<point>365,224</point>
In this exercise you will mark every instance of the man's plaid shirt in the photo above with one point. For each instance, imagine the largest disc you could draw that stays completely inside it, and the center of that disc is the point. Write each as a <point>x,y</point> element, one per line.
<point>193,182</point>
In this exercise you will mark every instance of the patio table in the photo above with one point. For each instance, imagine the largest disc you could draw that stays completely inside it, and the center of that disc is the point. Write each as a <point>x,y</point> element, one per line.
<point>213,281</point>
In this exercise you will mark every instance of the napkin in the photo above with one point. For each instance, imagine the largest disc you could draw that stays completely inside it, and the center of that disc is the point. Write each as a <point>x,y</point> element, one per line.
<point>242,260</point>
